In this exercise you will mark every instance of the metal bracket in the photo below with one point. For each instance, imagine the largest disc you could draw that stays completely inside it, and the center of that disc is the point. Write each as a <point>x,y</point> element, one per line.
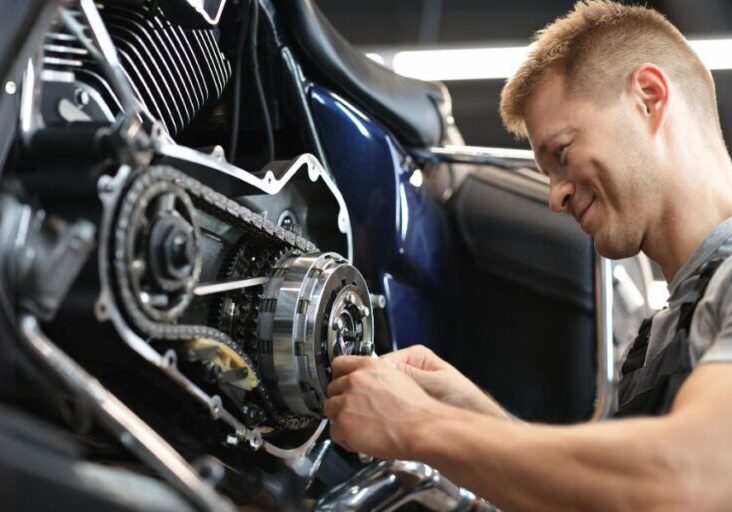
<point>129,428</point>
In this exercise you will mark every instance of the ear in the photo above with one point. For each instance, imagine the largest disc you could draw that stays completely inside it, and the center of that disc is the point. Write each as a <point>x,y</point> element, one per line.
<point>650,90</point>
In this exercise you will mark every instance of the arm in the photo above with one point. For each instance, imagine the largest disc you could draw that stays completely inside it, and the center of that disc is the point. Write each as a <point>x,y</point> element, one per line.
<point>679,461</point>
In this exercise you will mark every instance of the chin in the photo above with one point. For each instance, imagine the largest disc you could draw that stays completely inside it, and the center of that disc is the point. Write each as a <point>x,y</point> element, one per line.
<point>616,248</point>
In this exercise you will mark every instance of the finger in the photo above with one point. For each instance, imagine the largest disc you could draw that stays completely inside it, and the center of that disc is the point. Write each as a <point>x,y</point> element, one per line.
<point>418,356</point>
<point>343,365</point>
<point>403,356</point>
<point>406,369</point>
<point>339,386</point>
<point>332,407</point>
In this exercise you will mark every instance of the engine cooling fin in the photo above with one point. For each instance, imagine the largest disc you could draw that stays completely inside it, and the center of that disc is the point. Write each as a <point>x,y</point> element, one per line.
<point>175,71</point>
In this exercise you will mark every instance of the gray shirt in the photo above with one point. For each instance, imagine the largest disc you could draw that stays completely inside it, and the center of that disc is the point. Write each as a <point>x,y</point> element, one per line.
<point>710,335</point>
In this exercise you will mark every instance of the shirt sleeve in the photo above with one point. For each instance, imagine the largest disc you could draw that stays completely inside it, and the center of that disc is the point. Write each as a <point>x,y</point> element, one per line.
<point>710,336</point>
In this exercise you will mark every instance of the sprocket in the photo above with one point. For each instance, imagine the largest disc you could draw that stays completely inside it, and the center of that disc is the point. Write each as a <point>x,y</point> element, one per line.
<point>236,313</point>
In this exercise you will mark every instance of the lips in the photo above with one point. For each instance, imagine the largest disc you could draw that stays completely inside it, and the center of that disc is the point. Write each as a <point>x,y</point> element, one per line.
<point>580,217</point>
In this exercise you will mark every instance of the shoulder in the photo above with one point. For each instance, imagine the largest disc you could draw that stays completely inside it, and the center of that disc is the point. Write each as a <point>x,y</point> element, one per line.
<point>714,311</point>
<point>719,289</point>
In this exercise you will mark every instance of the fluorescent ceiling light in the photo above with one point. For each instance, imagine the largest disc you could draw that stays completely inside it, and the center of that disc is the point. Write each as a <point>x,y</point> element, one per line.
<point>460,64</point>
<point>376,58</point>
<point>714,53</point>
<point>502,62</point>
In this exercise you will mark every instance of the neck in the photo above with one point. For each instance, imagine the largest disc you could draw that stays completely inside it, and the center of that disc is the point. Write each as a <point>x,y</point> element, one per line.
<point>701,199</point>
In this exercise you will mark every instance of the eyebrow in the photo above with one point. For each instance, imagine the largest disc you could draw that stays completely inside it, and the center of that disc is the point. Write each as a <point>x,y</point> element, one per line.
<point>547,141</point>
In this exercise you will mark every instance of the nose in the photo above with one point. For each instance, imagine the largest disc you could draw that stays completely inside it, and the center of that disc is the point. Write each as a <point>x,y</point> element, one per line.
<point>560,195</point>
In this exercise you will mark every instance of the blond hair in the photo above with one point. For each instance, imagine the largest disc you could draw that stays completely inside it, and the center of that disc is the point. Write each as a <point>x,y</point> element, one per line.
<point>596,47</point>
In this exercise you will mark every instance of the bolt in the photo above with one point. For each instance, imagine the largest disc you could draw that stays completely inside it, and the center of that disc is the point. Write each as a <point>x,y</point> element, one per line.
<point>218,153</point>
<point>338,324</point>
<point>212,372</point>
<point>81,97</point>
<point>364,311</point>
<point>378,301</point>
<point>232,440</point>
<point>365,459</point>
<point>105,184</point>
<point>351,298</point>
<point>253,416</point>
<point>11,87</point>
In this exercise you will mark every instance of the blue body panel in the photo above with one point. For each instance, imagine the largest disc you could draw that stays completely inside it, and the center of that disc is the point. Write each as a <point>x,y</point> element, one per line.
<point>402,240</point>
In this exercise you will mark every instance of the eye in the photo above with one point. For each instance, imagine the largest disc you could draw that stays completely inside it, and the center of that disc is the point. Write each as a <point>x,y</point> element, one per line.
<point>561,154</point>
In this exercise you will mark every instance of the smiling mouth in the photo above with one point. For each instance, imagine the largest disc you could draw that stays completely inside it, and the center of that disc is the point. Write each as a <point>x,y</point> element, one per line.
<point>581,216</point>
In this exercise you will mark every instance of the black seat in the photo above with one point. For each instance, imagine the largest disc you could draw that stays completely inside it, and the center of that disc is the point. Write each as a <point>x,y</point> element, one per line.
<point>409,107</point>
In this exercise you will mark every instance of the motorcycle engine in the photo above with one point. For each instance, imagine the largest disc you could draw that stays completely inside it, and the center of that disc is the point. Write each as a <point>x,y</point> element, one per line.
<point>235,285</point>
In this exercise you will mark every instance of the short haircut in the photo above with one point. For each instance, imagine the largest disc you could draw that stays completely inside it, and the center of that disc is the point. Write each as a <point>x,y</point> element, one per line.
<point>596,47</point>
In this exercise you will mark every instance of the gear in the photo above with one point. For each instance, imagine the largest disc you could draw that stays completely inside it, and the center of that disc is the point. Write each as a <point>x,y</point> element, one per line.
<point>237,312</point>
<point>170,252</point>
<point>161,250</point>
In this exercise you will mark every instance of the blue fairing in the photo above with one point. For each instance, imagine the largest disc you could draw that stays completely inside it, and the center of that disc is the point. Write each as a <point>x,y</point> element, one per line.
<point>401,234</point>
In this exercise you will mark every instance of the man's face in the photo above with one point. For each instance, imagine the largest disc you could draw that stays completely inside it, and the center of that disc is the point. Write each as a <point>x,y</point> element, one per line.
<point>599,169</point>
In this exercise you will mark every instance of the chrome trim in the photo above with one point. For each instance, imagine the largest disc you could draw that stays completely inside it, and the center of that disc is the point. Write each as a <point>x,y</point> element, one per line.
<point>30,117</point>
<point>479,155</point>
<point>269,183</point>
<point>386,486</point>
<point>210,13</point>
<point>604,325</point>
<point>130,429</point>
<point>302,459</point>
<point>226,286</point>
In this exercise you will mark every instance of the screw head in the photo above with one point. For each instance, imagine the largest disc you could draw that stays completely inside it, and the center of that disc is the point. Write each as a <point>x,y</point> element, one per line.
<point>338,324</point>
<point>81,97</point>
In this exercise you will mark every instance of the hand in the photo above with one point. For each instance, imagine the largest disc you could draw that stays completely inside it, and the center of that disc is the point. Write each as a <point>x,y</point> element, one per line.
<point>443,381</point>
<point>374,408</point>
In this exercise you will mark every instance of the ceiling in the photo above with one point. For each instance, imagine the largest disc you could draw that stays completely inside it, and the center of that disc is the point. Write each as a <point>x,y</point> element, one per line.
<point>468,23</point>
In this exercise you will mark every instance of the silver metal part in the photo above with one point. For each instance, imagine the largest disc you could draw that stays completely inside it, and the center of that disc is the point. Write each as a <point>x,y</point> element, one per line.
<point>188,159</point>
<point>103,50</point>
<point>605,348</point>
<point>162,250</point>
<point>131,431</point>
<point>378,301</point>
<point>211,288</point>
<point>504,157</point>
<point>210,10</point>
<point>303,459</point>
<point>30,118</point>
<point>386,486</point>
<point>110,190</point>
<point>314,308</point>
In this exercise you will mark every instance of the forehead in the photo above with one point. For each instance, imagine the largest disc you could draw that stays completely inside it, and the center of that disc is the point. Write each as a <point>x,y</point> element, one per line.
<point>549,109</point>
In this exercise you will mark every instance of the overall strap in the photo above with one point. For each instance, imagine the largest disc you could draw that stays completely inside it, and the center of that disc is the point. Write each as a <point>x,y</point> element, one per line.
<point>649,387</point>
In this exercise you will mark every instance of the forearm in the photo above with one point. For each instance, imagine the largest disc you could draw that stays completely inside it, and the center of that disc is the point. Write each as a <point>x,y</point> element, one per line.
<point>536,467</point>
<point>488,405</point>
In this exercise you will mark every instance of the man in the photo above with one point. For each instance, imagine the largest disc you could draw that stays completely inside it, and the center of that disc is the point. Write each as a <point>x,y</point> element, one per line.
<point>621,115</point>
